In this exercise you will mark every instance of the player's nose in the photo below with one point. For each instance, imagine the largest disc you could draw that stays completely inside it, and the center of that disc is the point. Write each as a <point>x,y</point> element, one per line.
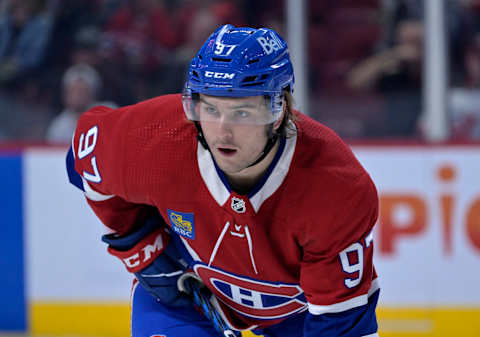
<point>225,127</point>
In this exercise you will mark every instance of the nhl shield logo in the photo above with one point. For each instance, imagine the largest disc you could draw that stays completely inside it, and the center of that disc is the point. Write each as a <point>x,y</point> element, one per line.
<point>238,205</point>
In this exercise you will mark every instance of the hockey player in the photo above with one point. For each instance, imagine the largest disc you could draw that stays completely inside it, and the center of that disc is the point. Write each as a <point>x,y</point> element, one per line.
<point>268,208</point>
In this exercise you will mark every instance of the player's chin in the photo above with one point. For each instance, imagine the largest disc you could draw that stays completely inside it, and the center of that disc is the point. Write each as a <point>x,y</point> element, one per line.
<point>227,165</point>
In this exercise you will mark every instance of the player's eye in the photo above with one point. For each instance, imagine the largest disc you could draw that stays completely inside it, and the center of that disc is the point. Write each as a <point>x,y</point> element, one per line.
<point>241,114</point>
<point>211,110</point>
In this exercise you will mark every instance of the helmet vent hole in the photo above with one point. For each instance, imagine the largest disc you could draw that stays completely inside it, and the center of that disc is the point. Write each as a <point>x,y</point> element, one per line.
<point>264,77</point>
<point>252,84</point>
<point>218,59</point>
<point>253,61</point>
<point>249,79</point>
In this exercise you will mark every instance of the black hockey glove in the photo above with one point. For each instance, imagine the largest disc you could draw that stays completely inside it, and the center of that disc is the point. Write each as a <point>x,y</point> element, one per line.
<point>149,255</point>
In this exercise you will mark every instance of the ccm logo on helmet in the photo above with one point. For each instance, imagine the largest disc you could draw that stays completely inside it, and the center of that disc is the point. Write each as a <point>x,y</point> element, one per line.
<point>270,44</point>
<point>214,74</point>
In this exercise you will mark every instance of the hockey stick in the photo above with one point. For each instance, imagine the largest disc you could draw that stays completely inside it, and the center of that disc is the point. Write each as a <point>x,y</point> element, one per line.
<point>190,284</point>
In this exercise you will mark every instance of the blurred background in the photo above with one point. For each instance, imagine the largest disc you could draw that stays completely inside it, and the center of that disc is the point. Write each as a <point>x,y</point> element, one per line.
<point>360,64</point>
<point>399,80</point>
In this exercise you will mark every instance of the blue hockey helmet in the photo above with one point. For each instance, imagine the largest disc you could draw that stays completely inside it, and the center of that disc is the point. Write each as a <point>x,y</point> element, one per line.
<point>240,62</point>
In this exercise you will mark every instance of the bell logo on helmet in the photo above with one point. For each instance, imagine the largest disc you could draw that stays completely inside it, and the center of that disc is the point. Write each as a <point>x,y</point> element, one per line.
<point>223,76</point>
<point>270,45</point>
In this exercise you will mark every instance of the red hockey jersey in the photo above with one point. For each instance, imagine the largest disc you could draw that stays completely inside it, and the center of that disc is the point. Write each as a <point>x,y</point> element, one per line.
<point>302,238</point>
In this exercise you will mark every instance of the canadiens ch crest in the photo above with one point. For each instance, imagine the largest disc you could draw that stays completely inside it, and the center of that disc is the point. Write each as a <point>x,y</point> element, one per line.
<point>254,298</point>
<point>238,205</point>
<point>182,223</point>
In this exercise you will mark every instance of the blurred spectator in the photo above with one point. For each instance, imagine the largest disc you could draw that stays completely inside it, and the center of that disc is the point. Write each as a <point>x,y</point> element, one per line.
<point>342,37</point>
<point>71,16</point>
<point>464,101</point>
<point>89,48</point>
<point>201,24</point>
<point>22,119</point>
<point>396,73</point>
<point>260,13</point>
<point>139,22</point>
<point>458,20</point>
<point>139,37</point>
<point>25,29</point>
<point>228,11</point>
<point>81,87</point>
<point>85,46</point>
<point>341,33</point>
<point>224,11</point>
<point>198,21</point>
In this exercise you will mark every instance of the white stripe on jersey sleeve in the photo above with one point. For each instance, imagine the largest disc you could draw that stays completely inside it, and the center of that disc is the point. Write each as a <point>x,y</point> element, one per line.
<point>338,307</point>
<point>371,335</point>
<point>94,195</point>
<point>374,287</point>
<point>345,305</point>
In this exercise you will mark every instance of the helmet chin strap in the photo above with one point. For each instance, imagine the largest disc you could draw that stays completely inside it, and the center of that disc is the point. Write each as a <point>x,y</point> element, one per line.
<point>272,140</point>
<point>200,136</point>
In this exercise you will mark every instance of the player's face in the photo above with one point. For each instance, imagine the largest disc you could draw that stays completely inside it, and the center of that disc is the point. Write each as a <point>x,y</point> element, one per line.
<point>234,145</point>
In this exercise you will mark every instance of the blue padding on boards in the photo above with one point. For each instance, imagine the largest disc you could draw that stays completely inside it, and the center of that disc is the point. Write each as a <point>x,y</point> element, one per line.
<point>12,283</point>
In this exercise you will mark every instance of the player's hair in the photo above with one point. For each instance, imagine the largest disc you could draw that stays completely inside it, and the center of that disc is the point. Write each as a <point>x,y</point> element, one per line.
<point>286,128</point>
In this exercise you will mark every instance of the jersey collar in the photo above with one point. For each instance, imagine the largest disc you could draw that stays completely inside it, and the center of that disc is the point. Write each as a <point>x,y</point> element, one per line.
<point>220,189</point>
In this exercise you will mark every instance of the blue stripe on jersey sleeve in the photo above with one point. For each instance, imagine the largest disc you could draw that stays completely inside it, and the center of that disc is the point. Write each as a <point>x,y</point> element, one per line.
<point>74,178</point>
<point>360,321</point>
